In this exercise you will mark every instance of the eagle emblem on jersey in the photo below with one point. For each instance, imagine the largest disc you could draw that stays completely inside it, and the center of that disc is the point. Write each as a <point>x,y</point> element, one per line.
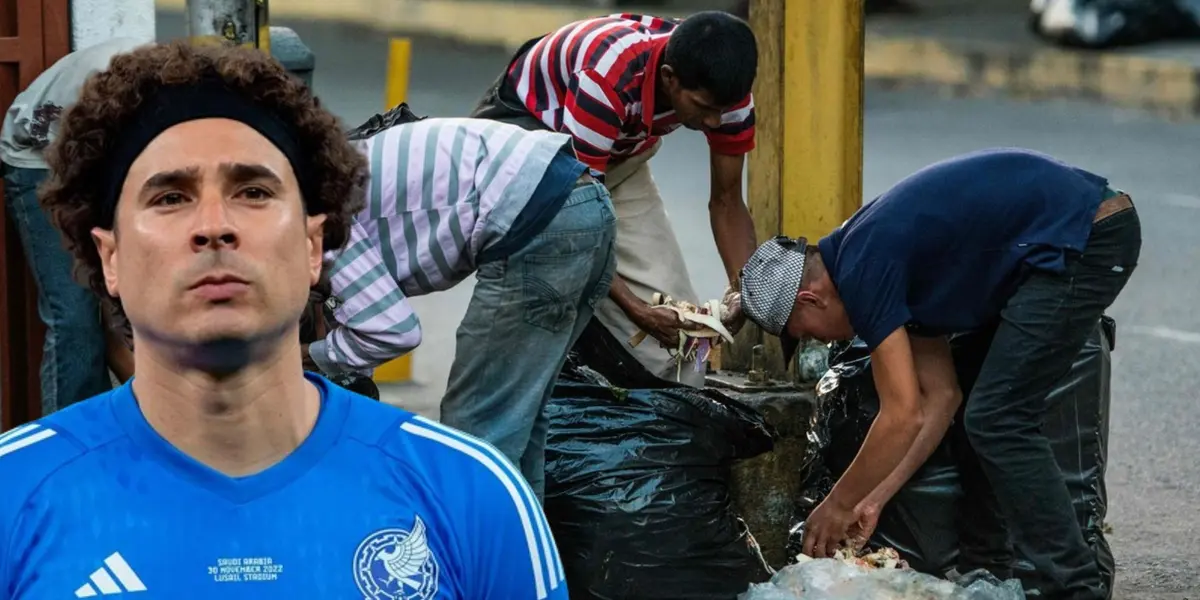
<point>395,564</point>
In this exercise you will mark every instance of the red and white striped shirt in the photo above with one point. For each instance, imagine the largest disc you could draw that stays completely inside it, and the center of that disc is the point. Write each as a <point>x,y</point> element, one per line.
<point>595,80</point>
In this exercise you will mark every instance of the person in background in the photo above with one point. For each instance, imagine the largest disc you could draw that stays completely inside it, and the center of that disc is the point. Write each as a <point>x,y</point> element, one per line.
<point>73,357</point>
<point>616,85</point>
<point>1010,242</point>
<point>452,197</point>
<point>198,188</point>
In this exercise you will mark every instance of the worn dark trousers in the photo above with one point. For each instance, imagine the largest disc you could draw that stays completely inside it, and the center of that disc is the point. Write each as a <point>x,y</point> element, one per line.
<point>1016,496</point>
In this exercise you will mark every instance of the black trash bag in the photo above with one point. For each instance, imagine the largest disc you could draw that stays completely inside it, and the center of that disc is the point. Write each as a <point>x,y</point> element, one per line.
<point>398,115</point>
<point>921,520</point>
<point>1110,23</point>
<point>638,490</point>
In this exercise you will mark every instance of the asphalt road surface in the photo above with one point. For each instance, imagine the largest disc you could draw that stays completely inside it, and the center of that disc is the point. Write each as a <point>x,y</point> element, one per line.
<point>1154,473</point>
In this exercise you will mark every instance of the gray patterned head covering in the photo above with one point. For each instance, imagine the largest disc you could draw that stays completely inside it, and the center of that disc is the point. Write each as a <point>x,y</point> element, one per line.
<point>769,283</point>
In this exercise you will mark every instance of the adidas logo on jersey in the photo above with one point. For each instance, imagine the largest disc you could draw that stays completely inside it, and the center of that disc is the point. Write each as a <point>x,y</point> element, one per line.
<point>115,577</point>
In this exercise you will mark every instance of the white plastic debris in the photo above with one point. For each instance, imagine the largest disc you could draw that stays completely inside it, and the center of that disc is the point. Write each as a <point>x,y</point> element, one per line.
<point>834,579</point>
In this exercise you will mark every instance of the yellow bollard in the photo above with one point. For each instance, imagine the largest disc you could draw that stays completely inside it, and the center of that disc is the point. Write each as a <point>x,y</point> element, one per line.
<point>398,370</point>
<point>399,57</point>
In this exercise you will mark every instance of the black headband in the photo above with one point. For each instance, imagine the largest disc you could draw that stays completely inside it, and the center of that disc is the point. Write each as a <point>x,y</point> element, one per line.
<point>171,105</point>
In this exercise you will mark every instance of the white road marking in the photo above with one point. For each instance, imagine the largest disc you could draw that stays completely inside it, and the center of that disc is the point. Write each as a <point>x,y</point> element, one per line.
<point>1167,333</point>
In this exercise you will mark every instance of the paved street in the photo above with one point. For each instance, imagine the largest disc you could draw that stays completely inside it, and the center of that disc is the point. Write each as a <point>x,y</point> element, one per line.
<point>1154,474</point>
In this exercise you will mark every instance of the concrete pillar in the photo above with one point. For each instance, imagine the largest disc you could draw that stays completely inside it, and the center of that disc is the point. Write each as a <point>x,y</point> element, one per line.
<point>96,21</point>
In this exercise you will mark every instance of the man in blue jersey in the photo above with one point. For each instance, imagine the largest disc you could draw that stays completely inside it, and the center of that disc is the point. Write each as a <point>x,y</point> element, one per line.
<point>1004,241</point>
<point>197,188</point>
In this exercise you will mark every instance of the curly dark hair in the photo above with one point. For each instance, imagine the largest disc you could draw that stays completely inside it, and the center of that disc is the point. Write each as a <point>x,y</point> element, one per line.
<point>73,195</point>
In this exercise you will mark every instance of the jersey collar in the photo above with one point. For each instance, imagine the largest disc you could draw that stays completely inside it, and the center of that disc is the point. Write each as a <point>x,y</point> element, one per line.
<point>238,490</point>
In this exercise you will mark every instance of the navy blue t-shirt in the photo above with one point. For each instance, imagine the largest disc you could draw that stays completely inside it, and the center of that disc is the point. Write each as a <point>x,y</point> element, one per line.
<point>944,248</point>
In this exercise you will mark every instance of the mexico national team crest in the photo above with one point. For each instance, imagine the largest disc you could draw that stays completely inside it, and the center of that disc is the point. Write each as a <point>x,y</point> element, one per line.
<point>394,564</point>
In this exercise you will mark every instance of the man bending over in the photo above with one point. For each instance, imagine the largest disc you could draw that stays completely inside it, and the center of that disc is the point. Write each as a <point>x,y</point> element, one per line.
<point>452,197</point>
<point>1005,241</point>
<point>617,85</point>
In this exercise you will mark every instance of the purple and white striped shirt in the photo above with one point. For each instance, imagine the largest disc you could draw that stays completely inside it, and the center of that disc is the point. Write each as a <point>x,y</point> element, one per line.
<point>440,191</point>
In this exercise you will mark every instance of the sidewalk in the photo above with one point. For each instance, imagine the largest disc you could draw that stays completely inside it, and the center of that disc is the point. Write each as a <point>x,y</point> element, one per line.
<point>967,46</point>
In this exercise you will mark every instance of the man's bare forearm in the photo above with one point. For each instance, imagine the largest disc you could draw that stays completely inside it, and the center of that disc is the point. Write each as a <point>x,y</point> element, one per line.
<point>940,398</point>
<point>938,414</point>
<point>895,427</point>
<point>733,231</point>
<point>624,297</point>
<point>888,440</point>
<point>732,227</point>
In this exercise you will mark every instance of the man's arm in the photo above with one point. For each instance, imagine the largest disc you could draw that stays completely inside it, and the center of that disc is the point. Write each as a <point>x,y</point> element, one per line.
<point>940,399</point>
<point>375,323</point>
<point>888,441</point>
<point>733,230</point>
<point>661,324</point>
<point>896,426</point>
<point>732,227</point>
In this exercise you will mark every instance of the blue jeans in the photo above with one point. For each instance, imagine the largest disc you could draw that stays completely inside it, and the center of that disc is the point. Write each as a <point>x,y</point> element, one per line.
<point>526,313</point>
<point>73,360</point>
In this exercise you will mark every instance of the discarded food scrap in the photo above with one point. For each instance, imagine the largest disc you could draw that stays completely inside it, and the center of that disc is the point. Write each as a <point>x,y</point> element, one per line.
<point>695,345</point>
<point>884,558</point>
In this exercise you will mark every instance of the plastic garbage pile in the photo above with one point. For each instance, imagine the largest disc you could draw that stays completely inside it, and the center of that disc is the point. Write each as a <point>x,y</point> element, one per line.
<point>638,487</point>
<point>883,578</point>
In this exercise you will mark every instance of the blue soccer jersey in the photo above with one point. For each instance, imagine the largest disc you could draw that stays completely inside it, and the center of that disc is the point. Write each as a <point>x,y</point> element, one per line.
<point>377,503</point>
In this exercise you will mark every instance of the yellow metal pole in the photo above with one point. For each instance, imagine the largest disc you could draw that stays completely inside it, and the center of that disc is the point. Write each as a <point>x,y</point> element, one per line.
<point>823,115</point>
<point>262,17</point>
<point>805,174</point>
<point>399,59</point>
<point>398,370</point>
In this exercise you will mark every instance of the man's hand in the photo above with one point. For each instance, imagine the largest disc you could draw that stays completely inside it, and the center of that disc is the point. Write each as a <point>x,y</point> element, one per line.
<point>827,527</point>
<point>831,525</point>
<point>865,522</point>
<point>731,307</point>
<point>662,324</point>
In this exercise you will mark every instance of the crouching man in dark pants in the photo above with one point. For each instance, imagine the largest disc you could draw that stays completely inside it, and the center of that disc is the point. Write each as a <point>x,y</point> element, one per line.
<point>1005,238</point>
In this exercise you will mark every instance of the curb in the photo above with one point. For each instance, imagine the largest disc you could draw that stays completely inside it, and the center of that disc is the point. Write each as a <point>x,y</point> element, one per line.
<point>1165,87</point>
